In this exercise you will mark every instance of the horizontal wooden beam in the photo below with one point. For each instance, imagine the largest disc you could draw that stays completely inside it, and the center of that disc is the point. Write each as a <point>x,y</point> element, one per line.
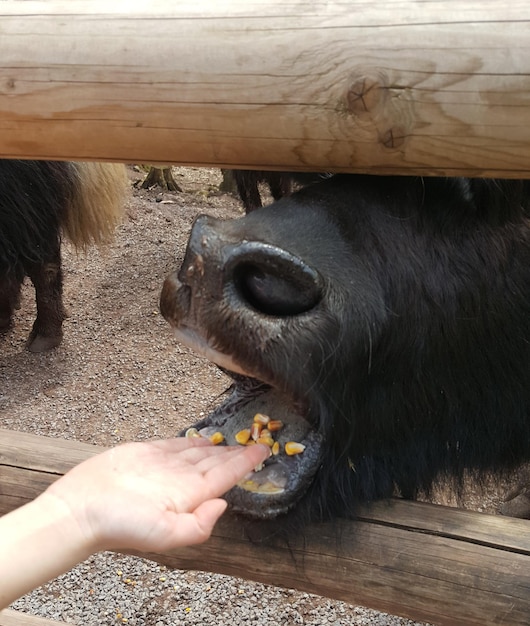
<point>9,617</point>
<point>389,87</point>
<point>421,561</point>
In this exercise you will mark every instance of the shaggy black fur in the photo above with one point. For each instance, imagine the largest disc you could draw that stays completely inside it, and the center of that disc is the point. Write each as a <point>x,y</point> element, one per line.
<point>414,363</point>
<point>423,370</point>
<point>33,198</point>
<point>426,344</point>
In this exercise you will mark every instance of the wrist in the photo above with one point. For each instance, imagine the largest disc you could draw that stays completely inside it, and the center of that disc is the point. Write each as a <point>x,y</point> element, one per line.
<point>44,540</point>
<point>62,520</point>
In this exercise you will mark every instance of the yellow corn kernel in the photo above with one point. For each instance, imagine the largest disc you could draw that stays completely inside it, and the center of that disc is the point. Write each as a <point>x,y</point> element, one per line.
<point>243,436</point>
<point>255,431</point>
<point>275,448</point>
<point>293,447</point>
<point>268,441</point>
<point>262,419</point>
<point>217,438</point>
<point>275,425</point>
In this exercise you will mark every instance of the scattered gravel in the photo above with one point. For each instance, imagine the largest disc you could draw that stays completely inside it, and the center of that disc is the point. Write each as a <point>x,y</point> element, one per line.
<point>119,375</point>
<point>111,589</point>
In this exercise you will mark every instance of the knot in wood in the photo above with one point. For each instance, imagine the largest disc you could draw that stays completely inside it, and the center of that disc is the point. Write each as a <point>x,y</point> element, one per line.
<point>9,85</point>
<point>365,94</point>
<point>393,138</point>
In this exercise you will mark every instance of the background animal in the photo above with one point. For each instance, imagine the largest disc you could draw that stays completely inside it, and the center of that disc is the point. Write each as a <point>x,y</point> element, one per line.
<point>40,202</point>
<point>280,184</point>
<point>385,320</point>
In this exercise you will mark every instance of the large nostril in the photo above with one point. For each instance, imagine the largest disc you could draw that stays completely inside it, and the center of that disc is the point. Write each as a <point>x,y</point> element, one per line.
<point>273,295</point>
<point>275,282</point>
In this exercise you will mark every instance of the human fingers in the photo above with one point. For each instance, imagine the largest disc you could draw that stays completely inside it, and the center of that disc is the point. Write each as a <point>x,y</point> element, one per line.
<point>203,456</point>
<point>177,445</point>
<point>223,473</point>
<point>205,463</point>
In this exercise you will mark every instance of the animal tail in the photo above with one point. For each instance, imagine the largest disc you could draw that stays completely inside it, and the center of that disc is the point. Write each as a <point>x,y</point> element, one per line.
<point>96,200</point>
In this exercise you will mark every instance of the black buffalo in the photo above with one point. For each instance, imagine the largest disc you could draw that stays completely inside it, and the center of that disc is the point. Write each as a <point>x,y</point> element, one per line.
<point>385,320</point>
<point>40,202</point>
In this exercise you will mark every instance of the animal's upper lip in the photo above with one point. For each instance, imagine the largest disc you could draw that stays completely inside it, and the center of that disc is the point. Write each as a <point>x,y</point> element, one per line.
<point>191,338</point>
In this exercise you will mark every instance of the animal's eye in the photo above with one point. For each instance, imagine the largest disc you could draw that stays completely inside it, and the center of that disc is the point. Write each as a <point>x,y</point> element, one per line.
<point>273,294</point>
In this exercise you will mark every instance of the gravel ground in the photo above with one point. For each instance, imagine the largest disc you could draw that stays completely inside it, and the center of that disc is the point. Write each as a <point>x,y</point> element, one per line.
<point>119,375</point>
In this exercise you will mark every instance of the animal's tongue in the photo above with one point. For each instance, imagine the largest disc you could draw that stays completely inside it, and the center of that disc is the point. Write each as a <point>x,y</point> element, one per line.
<point>283,480</point>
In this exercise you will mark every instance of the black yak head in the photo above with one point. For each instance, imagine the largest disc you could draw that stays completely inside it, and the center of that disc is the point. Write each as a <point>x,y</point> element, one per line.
<point>379,319</point>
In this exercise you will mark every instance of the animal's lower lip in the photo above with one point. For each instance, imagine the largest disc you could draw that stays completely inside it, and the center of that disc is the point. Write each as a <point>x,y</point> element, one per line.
<point>285,479</point>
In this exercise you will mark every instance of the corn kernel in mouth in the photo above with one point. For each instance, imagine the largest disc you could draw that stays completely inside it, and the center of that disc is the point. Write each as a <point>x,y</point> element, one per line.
<point>264,430</point>
<point>262,419</point>
<point>243,436</point>
<point>217,438</point>
<point>293,447</point>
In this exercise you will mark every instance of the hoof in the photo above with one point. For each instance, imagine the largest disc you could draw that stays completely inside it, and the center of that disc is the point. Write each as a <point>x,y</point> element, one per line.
<point>39,343</point>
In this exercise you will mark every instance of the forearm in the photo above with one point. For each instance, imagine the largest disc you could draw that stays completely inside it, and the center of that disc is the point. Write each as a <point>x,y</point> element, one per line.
<point>40,541</point>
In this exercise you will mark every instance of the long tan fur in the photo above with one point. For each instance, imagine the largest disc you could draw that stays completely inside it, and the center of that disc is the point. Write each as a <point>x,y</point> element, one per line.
<point>96,205</point>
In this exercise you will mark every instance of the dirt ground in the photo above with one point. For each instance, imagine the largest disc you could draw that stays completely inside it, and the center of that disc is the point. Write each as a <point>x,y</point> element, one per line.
<point>119,374</point>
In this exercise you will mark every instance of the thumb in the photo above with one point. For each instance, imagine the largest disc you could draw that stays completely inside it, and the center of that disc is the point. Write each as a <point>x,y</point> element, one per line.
<point>208,513</point>
<point>196,527</point>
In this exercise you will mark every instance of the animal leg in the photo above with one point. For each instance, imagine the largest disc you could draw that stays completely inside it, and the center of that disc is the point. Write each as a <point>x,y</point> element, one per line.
<point>280,184</point>
<point>47,329</point>
<point>247,186</point>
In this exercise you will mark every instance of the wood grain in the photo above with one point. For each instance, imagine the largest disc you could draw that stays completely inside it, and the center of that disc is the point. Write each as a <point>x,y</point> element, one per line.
<point>387,87</point>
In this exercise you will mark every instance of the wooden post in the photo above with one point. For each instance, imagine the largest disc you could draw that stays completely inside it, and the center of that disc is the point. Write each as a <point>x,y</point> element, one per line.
<point>421,561</point>
<point>394,87</point>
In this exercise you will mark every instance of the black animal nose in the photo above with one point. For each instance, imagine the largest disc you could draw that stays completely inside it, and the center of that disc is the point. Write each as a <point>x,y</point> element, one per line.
<point>272,280</point>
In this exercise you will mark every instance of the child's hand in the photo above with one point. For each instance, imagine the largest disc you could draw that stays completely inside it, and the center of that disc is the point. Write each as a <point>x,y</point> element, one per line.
<point>153,496</point>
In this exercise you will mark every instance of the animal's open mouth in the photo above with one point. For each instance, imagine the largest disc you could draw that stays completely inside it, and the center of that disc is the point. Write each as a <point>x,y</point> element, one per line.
<point>282,480</point>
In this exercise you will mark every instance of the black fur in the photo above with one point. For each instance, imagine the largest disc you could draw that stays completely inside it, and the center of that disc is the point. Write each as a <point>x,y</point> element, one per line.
<point>424,367</point>
<point>414,363</point>
<point>33,195</point>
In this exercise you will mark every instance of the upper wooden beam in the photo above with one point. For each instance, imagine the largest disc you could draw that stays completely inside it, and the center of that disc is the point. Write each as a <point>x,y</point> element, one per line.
<point>386,86</point>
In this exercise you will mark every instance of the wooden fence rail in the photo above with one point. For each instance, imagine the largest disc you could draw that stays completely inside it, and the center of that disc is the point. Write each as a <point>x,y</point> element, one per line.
<point>389,87</point>
<point>394,86</point>
<point>425,562</point>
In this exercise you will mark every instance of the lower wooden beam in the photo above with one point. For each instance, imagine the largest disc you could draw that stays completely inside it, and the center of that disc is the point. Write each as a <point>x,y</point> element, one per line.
<point>16,618</point>
<point>421,561</point>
